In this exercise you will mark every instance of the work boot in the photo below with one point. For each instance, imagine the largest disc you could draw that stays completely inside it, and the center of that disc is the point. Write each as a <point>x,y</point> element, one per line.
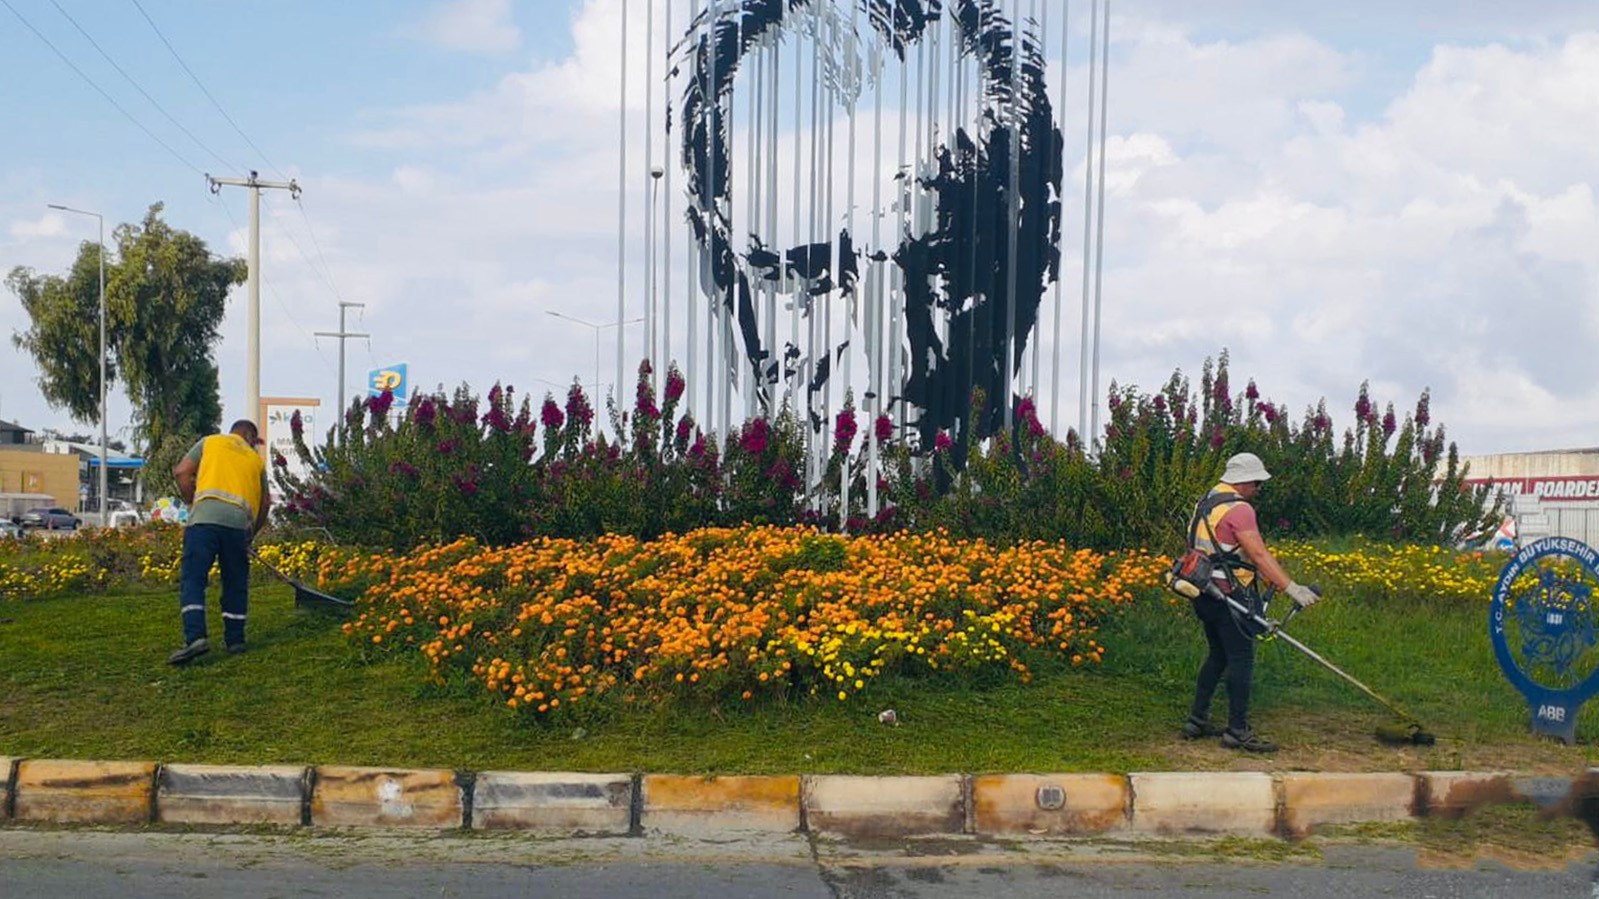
<point>236,648</point>
<point>189,653</point>
<point>1195,728</point>
<point>1247,740</point>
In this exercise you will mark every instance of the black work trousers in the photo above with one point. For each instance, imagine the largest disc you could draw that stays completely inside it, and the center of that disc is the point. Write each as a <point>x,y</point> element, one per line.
<point>1232,652</point>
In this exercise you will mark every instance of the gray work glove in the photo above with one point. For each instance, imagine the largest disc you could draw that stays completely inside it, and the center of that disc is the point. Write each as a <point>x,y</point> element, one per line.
<point>1303,596</point>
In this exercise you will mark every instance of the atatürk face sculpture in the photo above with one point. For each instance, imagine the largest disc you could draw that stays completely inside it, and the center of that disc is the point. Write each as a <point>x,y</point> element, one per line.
<point>965,283</point>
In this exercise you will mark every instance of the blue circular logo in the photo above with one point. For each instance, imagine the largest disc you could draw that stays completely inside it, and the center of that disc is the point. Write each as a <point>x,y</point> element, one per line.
<point>1545,628</point>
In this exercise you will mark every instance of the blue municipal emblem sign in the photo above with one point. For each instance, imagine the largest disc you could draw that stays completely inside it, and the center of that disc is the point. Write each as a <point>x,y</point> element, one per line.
<point>1545,630</point>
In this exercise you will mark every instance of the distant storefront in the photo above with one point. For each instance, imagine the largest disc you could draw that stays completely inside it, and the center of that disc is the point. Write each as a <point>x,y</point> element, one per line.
<point>1553,493</point>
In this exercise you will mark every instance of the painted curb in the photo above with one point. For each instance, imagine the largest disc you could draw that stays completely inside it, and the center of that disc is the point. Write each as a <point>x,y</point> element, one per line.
<point>1239,803</point>
<point>387,797</point>
<point>553,802</point>
<point>690,806</point>
<point>231,794</point>
<point>59,791</point>
<point>1451,794</point>
<point>1049,804</point>
<point>1311,800</point>
<point>8,767</point>
<point>886,806</point>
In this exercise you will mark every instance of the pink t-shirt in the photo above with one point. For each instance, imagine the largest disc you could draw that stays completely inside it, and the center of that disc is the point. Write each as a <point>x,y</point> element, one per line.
<point>1240,517</point>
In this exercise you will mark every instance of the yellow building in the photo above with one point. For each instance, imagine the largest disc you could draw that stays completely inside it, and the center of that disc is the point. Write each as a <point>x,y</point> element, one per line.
<point>27,469</point>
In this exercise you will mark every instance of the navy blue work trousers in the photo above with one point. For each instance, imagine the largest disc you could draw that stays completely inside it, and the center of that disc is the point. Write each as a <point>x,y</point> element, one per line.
<point>228,548</point>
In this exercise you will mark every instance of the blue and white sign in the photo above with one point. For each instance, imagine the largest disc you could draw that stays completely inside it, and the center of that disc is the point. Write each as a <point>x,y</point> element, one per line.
<point>396,379</point>
<point>1545,630</point>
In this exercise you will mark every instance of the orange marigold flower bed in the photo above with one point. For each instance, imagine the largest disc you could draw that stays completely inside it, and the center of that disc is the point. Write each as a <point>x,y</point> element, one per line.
<point>723,613</point>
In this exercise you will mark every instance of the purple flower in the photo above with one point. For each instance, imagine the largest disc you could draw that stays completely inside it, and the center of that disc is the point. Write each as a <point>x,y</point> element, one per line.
<point>697,451</point>
<point>425,412</point>
<point>1159,403</point>
<point>941,442</point>
<point>844,429</point>
<point>497,419</point>
<point>1251,392</point>
<point>404,468</point>
<point>296,425</point>
<point>884,428</point>
<point>1389,423</point>
<point>278,461</point>
<point>675,385</point>
<point>578,410</point>
<point>379,405</point>
<point>753,440</point>
<point>1270,412</point>
<point>1423,410</point>
<point>1363,405</point>
<point>447,447</point>
<point>1218,438</point>
<point>1323,423</point>
<point>685,430</point>
<point>551,414</point>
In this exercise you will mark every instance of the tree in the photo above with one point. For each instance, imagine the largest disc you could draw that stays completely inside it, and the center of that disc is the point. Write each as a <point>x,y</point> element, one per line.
<point>165,298</point>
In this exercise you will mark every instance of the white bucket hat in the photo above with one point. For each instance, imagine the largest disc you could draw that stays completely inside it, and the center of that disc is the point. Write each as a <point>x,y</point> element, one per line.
<point>1243,468</point>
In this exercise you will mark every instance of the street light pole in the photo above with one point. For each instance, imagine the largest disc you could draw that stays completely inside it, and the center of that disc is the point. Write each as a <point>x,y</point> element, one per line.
<point>598,327</point>
<point>104,442</point>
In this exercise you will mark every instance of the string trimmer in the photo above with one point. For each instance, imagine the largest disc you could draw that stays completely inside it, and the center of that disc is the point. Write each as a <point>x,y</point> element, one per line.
<point>1409,732</point>
<point>305,597</point>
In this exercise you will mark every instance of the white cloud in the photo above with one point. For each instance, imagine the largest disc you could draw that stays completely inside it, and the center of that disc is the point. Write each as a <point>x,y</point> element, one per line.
<point>48,225</point>
<point>1440,236</point>
<point>469,26</point>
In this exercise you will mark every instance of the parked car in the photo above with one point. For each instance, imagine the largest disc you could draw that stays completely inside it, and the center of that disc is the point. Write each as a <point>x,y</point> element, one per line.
<point>10,530</point>
<point>50,519</point>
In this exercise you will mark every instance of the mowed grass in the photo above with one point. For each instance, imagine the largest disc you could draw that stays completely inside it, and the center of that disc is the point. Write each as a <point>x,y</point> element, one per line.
<point>86,677</point>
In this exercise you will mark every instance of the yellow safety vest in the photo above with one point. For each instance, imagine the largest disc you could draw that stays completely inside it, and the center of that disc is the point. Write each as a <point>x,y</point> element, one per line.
<point>1204,534</point>
<point>230,471</point>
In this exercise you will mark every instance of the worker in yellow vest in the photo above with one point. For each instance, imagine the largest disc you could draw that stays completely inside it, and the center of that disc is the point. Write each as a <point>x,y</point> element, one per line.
<point>1224,530</point>
<point>223,479</point>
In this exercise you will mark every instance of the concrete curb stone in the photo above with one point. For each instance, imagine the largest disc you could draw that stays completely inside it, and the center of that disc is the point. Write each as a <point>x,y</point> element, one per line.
<point>1451,794</point>
<point>689,805</point>
<point>231,794</point>
<point>1312,799</point>
<point>388,797</point>
<point>553,802</point>
<point>1027,804</point>
<point>60,791</point>
<point>1239,803</point>
<point>8,766</point>
<point>885,806</point>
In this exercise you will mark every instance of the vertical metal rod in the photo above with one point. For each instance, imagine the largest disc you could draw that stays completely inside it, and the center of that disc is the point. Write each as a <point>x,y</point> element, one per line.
<point>1060,272</point>
<point>730,369</point>
<point>852,55</point>
<point>1099,236</point>
<point>794,382</point>
<point>252,365</point>
<point>666,210</point>
<point>812,338</point>
<point>649,181</point>
<point>1012,218</point>
<point>104,443</point>
<point>1088,211</point>
<point>770,381</point>
<point>1036,343</point>
<point>696,260</point>
<point>874,293</point>
<point>830,231</point>
<point>754,180</point>
<point>621,212</point>
<point>895,383</point>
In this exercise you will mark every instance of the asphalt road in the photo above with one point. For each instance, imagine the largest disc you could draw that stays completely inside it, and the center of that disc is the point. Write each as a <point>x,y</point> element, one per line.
<point>90,865</point>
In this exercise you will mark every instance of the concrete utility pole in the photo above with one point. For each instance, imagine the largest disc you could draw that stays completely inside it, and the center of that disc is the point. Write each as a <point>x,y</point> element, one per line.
<point>342,335</point>
<point>103,442</point>
<point>252,382</point>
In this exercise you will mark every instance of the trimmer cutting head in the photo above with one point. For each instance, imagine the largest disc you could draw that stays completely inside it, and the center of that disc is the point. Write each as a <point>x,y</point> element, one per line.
<point>1405,735</point>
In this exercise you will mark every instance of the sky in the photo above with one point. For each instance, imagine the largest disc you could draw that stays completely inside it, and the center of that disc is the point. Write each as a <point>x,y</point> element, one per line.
<point>1398,192</point>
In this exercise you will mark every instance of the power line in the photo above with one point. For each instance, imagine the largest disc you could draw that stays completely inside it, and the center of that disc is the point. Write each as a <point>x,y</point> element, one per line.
<point>326,277</point>
<point>91,82</point>
<point>201,85</point>
<point>272,288</point>
<point>136,86</point>
<point>317,244</point>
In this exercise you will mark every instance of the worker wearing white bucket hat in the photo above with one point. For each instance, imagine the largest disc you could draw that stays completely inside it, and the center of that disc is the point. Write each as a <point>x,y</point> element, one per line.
<point>1225,530</point>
